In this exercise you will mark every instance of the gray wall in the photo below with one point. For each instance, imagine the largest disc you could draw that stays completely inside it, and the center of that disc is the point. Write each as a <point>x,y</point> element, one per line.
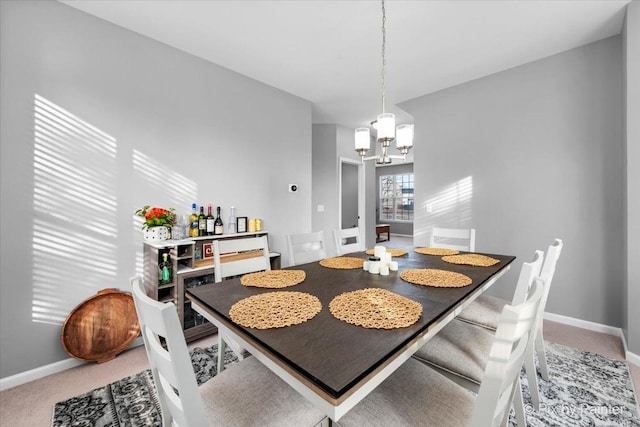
<point>325,183</point>
<point>168,129</point>
<point>397,227</point>
<point>528,155</point>
<point>330,143</point>
<point>631,71</point>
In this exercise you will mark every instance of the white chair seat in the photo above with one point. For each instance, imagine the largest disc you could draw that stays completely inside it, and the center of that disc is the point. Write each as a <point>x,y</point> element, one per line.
<point>413,395</point>
<point>461,349</point>
<point>249,394</point>
<point>485,312</point>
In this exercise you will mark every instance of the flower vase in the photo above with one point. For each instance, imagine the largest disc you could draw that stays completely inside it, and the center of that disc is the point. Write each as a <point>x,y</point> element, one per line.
<point>156,234</point>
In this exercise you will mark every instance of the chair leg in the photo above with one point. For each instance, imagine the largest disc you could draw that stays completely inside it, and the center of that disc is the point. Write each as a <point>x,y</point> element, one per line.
<point>542,355</point>
<point>518,403</point>
<point>222,348</point>
<point>532,376</point>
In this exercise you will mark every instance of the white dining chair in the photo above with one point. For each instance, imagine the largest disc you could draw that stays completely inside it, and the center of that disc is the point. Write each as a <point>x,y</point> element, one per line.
<point>485,311</point>
<point>461,350</point>
<point>415,395</point>
<point>348,240</point>
<point>231,258</point>
<point>247,393</point>
<point>306,247</point>
<point>453,238</point>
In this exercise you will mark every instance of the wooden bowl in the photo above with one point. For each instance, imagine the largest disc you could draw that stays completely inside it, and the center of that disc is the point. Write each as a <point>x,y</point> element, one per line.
<point>101,327</point>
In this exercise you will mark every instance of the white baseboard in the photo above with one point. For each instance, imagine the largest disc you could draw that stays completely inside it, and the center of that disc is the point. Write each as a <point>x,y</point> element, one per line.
<point>596,327</point>
<point>632,358</point>
<point>43,371</point>
<point>584,324</point>
<point>37,373</point>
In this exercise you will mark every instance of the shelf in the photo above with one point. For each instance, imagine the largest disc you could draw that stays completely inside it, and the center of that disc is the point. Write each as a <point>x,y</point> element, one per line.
<point>230,235</point>
<point>189,272</point>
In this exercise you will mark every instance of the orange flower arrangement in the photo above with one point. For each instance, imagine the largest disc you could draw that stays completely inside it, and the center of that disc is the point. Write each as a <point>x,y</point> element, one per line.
<point>154,217</point>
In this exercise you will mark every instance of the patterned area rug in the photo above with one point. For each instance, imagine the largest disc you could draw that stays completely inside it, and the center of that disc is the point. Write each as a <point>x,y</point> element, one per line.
<point>585,389</point>
<point>131,401</point>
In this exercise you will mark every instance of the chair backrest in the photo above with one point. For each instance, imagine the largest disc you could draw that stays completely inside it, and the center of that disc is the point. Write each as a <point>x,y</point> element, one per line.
<point>351,235</point>
<point>547,272</point>
<point>549,266</point>
<point>234,257</point>
<point>528,271</point>
<point>306,247</point>
<point>180,400</point>
<point>502,371</point>
<point>462,239</point>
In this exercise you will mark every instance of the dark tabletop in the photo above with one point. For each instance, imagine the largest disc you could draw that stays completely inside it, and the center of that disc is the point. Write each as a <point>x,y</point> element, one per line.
<point>333,354</point>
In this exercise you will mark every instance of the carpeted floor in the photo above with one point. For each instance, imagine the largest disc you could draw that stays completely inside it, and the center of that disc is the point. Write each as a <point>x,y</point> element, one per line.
<point>586,389</point>
<point>131,401</point>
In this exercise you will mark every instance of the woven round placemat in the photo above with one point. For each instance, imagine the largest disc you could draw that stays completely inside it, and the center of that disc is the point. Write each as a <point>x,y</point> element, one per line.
<point>393,252</point>
<point>435,278</point>
<point>375,309</point>
<point>274,279</point>
<point>437,251</point>
<point>342,262</point>
<point>471,259</point>
<point>275,309</point>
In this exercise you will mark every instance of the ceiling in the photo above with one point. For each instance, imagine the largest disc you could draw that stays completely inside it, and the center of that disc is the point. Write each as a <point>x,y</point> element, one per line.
<point>329,51</point>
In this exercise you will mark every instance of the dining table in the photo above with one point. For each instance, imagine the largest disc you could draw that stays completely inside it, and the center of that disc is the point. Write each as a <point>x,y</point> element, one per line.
<point>332,363</point>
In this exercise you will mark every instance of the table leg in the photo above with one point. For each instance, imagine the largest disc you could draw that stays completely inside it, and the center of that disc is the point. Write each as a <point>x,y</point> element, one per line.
<point>222,348</point>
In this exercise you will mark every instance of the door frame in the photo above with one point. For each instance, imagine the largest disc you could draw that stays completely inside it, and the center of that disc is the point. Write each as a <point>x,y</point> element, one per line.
<point>361,191</point>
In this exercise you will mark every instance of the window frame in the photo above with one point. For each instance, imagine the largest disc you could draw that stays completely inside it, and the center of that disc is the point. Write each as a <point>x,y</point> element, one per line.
<point>397,196</point>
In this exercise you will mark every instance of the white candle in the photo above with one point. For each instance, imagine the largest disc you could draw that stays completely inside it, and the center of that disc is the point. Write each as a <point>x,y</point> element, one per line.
<point>384,270</point>
<point>374,267</point>
<point>379,251</point>
<point>393,266</point>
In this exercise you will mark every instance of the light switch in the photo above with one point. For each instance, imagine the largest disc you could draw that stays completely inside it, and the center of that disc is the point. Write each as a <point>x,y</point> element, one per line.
<point>320,208</point>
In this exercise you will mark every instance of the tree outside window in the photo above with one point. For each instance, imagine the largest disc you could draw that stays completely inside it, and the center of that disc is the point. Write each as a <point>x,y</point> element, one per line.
<point>396,197</point>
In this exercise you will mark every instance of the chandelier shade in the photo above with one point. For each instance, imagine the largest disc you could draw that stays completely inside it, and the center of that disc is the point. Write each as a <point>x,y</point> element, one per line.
<point>404,137</point>
<point>363,139</point>
<point>386,126</point>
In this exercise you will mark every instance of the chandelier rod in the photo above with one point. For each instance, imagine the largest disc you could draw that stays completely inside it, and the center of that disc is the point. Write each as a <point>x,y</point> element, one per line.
<point>384,62</point>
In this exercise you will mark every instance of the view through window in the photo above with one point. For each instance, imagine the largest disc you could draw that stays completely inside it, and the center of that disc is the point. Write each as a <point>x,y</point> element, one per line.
<point>396,197</point>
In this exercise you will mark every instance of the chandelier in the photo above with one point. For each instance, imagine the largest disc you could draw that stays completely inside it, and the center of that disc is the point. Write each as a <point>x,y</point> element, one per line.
<point>385,124</point>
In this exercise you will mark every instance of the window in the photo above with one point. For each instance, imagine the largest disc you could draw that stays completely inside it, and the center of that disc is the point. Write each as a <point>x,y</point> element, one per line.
<point>396,197</point>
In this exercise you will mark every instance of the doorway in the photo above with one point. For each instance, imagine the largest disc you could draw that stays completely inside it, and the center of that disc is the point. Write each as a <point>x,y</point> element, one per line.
<point>349,189</point>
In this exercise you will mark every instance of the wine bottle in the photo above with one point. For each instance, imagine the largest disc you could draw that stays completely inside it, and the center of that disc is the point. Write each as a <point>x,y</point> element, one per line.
<point>210,221</point>
<point>193,222</point>
<point>164,270</point>
<point>231,224</point>
<point>219,227</point>
<point>202,223</point>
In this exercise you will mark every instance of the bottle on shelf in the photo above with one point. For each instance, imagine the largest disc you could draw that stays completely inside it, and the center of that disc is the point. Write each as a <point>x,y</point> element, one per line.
<point>210,221</point>
<point>219,227</point>
<point>231,224</point>
<point>202,223</point>
<point>193,222</point>
<point>165,270</point>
